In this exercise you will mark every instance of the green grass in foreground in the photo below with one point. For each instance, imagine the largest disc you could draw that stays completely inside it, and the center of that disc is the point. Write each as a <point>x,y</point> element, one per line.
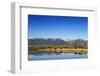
<point>56,47</point>
<point>59,48</point>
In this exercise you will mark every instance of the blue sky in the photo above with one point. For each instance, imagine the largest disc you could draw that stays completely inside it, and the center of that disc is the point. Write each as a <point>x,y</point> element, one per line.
<point>64,27</point>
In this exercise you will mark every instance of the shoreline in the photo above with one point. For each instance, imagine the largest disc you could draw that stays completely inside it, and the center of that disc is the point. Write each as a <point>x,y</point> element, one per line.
<point>75,51</point>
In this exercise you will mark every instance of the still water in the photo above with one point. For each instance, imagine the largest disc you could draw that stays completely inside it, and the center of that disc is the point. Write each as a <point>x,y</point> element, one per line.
<point>56,56</point>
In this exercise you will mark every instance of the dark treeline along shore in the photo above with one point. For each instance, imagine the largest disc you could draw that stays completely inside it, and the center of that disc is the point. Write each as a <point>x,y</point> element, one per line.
<point>39,46</point>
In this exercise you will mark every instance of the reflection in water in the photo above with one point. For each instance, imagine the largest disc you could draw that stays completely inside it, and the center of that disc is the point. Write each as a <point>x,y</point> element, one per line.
<point>37,55</point>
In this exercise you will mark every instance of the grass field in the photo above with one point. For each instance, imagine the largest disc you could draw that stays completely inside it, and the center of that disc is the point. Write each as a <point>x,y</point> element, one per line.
<point>59,49</point>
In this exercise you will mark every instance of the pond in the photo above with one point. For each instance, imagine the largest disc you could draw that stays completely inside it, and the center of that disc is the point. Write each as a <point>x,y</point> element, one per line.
<point>55,56</point>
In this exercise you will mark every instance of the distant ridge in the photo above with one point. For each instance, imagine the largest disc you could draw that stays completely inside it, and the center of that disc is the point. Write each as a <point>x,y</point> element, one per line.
<point>56,41</point>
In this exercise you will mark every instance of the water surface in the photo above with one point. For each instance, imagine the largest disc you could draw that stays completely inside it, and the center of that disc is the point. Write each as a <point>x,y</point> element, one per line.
<point>55,56</point>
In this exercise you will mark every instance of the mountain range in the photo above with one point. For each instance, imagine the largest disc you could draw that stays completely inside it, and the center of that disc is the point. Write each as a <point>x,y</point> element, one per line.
<point>56,41</point>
